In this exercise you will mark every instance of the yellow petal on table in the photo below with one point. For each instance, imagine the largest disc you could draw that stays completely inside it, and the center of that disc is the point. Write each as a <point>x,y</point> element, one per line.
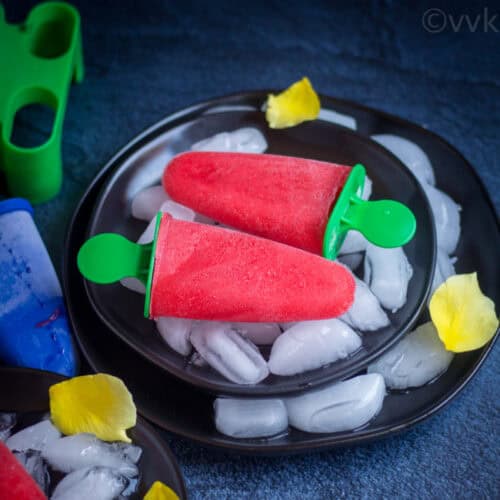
<point>98,404</point>
<point>464,318</point>
<point>159,491</point>
<point>296,104</point>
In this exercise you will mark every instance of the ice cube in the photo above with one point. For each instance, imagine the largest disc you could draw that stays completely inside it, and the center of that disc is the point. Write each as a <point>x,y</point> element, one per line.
<point>33,462</point>
<point>85,450</point>
<point>312,344</point>
<point>444,269</point>
<point>365,314</point>
<point>415,360</point>
<point>229,353</point>
<point>250,418</point>
<point>7,422</point>
<point>328,115</point>
<point>243,140</point>
<point>259,333</point>
<point>446,218</point>
<point>147,202</point>
<point>175,332</point>
<point>351,260</point>
<point>367,189</point>
<point>134,284</point>
<point>387,273</point>
<point>354,242</point>
<point>410,154</point>
<point>148,233</point>
<point>339,407</point>
<point>91,483</point>
<point>35,437</point>
<point>178,211</point>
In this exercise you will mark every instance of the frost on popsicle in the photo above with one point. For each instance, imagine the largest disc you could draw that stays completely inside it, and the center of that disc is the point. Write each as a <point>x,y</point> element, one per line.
<point>339,407</point>
<point>75,452</point>
<point>387,272</point>
<point>229,353</point>
<point>365,314</point>
<point>464,317</point>
<point>35,437</point>
<point>250,418</point>
<point>296,104</point>
<point>100,483</point>
<point>97,404</point>
<point>311,344</point>
<point>175,332</point>
<point>242,140</point>
<point>417,359</point>
<point>160,491</point>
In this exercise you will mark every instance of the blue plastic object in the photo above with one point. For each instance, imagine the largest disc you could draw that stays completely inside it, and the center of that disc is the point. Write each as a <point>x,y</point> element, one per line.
<point>34,330</point>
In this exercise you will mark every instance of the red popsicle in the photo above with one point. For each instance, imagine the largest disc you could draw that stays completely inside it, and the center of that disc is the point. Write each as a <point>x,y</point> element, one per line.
<point>204,272</point>
<point>15,482</point>
<point>282,198</point>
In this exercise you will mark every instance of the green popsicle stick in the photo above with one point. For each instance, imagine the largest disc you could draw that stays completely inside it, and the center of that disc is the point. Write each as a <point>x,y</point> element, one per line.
<point>109,257</point>
<point>385,223</point>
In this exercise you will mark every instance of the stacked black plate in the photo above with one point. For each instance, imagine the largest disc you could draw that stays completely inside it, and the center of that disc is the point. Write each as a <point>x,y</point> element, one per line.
<point>178,396</point>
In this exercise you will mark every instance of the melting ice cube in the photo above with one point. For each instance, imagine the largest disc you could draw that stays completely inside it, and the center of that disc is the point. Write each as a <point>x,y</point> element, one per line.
<point>229,353</point>
<point>243,140</point>
<point>365,313</point>
<point>444,269</point>
<point>417,359</point>
<point>33,462</point>
<point>35,437</point>
<point>446,217</point>
<point>387,273</point>
<point>311,344</point>
<point>95,483</point>
<point>410,154</point>
<point>85,450</point>
<point>250,418</point>
<point>7,422</point>
<point>147,202</point>
<point>339,407</point>
<point>259,333</point>
<point>175,332</point>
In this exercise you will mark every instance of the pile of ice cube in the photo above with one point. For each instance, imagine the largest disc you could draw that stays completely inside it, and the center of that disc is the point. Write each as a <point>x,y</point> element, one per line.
<point>93,469</point>
<point>232,348</point>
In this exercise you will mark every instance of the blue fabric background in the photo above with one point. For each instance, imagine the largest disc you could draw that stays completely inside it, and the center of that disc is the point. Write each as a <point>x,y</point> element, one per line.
<point>147,59</point>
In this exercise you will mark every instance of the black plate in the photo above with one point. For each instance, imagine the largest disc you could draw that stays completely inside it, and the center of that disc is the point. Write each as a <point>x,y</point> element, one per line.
<point>186,411</point>
<point>141,164</point>
<point>26,391</point>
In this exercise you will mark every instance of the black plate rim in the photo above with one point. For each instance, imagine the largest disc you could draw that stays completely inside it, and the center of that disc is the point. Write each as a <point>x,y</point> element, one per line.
<point>328,442</point>
<point>142,425</point>
<point>318,377</point>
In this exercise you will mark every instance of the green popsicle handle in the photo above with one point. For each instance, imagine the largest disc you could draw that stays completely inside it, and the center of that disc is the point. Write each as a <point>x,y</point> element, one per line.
<point>109,257</point>
<point>385,223</point>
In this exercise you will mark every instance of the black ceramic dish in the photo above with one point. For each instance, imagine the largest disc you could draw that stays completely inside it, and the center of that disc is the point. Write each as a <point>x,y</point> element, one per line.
<point>141,164</point>
<point>26,391</point>
<point>186,411</point>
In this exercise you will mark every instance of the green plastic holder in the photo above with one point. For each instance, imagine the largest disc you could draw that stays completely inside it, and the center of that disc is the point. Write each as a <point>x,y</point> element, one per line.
<point>109,257</point>
<point>38,61</point>
<point>385,223</point>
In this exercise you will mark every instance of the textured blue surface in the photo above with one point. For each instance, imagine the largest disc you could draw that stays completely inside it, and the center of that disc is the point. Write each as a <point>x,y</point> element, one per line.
<point>147,59</point>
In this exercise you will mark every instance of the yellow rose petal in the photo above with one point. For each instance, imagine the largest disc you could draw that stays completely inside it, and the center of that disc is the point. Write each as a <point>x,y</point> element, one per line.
<point>296,104</point>
<point>464,318</point>
<point>159,491</point>
<point>99,404</point>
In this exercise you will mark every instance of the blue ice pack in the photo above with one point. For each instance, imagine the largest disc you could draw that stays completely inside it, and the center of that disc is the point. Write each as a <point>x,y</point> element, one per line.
<point>34,330</point>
